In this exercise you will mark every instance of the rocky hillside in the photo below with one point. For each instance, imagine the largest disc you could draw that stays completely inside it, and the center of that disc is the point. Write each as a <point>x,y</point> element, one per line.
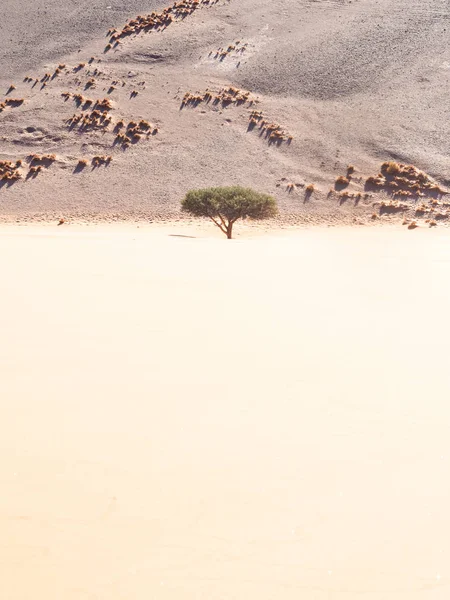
<point>113,112</point>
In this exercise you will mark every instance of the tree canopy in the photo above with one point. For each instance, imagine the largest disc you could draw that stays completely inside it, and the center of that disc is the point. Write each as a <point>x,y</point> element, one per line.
<point>225,205</point>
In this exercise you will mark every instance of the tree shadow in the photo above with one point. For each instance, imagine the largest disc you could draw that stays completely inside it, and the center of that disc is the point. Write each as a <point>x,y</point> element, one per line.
<point>274,141</point>
<point>79,168</point>
<point>14,102</point>
<point>31,175</point>
<point>179,235</point>
<point>390,209</point>
<point>43,161</point>
<point>7,183</point>
<point>308,194</point>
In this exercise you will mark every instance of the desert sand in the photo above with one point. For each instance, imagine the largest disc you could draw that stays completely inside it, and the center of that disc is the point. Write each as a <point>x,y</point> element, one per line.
<point>348,82</point>
<point>187,417</point>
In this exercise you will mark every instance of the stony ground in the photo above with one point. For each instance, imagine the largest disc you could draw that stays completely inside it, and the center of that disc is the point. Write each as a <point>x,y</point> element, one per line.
<point>277,95</point>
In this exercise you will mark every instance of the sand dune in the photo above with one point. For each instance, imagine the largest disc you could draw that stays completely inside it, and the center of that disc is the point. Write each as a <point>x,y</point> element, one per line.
<point>170,428</point>
<point>352,82</point>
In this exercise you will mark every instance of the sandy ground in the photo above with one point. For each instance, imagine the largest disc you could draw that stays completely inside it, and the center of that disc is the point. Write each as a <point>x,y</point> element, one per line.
<point>353,82</point>
<point>196,418</point>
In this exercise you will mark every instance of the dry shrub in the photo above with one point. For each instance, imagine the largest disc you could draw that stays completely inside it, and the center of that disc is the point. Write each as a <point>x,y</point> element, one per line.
<point>391,168</point>
<point>342,181</point>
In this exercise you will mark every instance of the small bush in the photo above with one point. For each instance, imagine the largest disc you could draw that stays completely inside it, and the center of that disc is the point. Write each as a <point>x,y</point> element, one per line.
<point>342,181</point>
<point>391,168</point>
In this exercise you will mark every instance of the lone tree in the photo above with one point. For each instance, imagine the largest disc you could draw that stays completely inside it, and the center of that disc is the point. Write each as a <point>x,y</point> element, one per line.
<point>225,205</point>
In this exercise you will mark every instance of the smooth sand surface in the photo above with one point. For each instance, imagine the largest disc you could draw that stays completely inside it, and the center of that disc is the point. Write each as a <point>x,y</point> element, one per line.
<point>203,419</point>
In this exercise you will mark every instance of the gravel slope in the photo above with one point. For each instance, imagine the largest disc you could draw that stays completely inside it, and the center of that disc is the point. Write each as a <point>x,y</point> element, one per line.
<point>352,82</point>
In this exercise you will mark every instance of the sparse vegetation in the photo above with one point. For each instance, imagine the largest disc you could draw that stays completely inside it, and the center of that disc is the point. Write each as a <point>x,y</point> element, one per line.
<point>225,205</point>
<point>273,132</point>
<point>409,190</point>
<point>236,48</point>
<point>391,168</point>
<point>11,103</point>
<point>157,21</point>
<point>223,97</point>
<point>407,182</point>
<point>342,181</point>
<point>393,206</point>
<point>9,171</point>
<point>44,160</point>
<point>97,161</point>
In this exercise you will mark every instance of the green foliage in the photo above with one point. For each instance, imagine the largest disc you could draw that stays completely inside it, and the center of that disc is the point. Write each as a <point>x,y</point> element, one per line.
<point>225,205</point>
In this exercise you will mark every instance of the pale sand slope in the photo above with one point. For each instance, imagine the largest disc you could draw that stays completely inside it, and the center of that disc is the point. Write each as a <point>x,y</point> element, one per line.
<point>197,418</point>
<point>354,82</point>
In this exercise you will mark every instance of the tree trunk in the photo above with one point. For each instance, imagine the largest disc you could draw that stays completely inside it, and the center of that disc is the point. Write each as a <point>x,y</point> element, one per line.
<point>229,230</point>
